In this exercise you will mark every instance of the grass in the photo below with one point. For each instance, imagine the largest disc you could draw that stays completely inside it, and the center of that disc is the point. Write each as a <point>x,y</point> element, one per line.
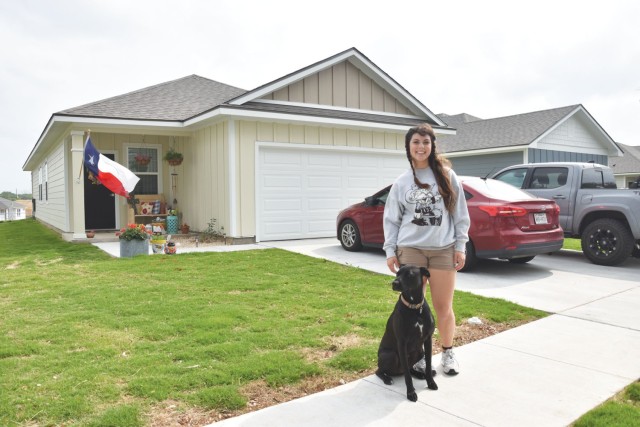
<point>572,243</point>
<point>622,410</point>
<point>89,340</point>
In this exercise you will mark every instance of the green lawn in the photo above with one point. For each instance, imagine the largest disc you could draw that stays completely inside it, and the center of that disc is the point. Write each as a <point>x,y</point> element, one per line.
<point>89,340</point>
<point>622,410</point>
<point>572,243</point>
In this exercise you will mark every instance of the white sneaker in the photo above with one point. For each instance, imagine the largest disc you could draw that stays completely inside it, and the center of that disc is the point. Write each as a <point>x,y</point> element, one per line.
<point>449,363</point>
<point>421,367</point>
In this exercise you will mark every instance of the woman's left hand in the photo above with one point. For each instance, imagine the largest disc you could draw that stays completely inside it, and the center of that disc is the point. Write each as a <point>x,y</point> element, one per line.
<point>459,259</point>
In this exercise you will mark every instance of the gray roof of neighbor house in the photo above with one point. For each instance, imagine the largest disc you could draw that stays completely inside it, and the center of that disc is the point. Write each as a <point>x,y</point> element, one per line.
<point>8,204</point>
<point>521,129</point>
<point>629,163</point>
<point>457,120</point>
<point>176,100</point>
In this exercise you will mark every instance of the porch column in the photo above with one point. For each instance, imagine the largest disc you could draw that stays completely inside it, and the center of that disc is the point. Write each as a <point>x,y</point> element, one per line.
<point>76,207</point>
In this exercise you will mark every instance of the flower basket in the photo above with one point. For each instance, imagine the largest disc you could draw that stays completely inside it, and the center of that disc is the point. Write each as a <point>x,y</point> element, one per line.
<point>173,157</point>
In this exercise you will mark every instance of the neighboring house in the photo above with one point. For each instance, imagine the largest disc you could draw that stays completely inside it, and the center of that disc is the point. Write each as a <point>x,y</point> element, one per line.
<point>276,162</point>
<point>10,210</point>
<point>626,169</point>
<point>481,147</point>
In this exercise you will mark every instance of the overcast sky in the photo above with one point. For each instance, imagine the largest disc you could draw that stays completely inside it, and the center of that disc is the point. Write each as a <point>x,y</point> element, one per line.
<point>485,58</point>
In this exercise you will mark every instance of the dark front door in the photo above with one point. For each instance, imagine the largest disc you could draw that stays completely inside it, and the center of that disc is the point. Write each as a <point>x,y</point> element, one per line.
<point>99,204</point>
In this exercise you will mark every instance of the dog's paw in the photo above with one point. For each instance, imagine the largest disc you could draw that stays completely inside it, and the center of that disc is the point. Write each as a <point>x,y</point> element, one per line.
<point>385,378</point>
<point>412,396</point>
<point>431,384</point>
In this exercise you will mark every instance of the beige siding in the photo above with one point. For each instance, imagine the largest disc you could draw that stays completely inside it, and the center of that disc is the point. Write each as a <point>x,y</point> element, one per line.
<point>342,85</point>
<point>52,209</point>
<point>202,184</point>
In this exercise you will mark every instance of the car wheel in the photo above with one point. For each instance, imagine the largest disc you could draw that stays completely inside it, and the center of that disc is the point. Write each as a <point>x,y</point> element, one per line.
<point>607,242</point>
<point>521,260</point>
<point>471,260</point>
<point>350,236</point>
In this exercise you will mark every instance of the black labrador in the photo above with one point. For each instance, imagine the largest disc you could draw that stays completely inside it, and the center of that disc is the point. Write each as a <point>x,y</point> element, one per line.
<point>407,337</point>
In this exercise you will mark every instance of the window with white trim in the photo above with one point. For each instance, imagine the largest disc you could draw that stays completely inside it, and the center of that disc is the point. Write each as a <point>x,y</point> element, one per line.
<point>144,162</point>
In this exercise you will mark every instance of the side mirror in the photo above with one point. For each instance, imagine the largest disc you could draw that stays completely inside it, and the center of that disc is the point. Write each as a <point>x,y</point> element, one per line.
<point>370,201</point>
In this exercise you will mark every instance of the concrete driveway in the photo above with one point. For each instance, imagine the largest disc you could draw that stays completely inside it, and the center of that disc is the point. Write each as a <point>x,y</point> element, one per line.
<point>545,373</point>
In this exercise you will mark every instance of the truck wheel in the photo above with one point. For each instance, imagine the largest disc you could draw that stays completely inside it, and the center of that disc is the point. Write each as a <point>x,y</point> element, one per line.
<point>607,242</point>
<point>350,236</point>
<point>471,260</point>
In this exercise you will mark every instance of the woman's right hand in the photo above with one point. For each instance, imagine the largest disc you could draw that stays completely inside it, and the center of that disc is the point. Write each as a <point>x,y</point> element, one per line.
<point>393,264</point>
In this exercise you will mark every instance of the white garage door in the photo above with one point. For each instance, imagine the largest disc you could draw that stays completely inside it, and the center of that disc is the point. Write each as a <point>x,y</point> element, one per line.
<point>301,190</point>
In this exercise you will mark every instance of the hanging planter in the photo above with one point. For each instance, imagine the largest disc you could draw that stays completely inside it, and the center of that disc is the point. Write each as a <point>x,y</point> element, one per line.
<point>142,159</point>
<point>173,157</point>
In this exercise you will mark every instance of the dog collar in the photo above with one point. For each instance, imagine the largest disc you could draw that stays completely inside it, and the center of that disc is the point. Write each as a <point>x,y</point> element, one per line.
<point>411,306</point>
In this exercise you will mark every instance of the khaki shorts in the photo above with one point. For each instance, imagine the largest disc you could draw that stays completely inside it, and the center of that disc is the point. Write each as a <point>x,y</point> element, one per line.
<point>436,259</point>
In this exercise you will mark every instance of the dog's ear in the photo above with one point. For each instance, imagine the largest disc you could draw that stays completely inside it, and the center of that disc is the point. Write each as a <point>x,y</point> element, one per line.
<point>425,272</point>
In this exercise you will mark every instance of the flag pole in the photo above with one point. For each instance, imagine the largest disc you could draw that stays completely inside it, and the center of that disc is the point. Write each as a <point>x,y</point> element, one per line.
<point>84,145</point>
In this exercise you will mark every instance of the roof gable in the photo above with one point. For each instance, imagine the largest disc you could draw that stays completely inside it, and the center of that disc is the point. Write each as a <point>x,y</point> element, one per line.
<point>349,60</point>
<point>519,130</point>
<point>176,100</point>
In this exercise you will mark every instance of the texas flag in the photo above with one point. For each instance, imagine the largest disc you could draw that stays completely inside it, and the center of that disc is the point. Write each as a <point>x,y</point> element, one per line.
<point>112,175</point>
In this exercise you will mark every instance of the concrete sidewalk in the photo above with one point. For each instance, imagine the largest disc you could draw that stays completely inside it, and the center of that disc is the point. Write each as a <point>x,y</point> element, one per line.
<point>545,373</point>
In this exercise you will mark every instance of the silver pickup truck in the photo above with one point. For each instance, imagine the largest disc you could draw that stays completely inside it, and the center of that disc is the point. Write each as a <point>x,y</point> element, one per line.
<point>606,219</point>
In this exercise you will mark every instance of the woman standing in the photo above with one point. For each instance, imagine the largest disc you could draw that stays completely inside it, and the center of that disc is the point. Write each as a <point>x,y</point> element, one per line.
<point>426,223</point>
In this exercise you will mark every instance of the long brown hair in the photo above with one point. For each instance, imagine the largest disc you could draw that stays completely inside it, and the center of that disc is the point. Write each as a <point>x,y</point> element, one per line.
<point>437,162</point>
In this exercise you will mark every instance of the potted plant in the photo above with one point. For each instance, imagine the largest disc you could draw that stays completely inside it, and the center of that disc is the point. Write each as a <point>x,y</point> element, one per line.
<point>134,240</point>
<point>185,228</point>
<point>142,159</point>
<point>173,157</point>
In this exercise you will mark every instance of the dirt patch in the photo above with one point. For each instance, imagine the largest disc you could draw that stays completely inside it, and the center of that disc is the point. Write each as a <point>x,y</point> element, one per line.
<point>259,395</point>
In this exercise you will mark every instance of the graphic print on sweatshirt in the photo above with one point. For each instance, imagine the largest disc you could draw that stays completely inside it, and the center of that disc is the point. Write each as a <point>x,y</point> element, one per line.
<point>428,205</point>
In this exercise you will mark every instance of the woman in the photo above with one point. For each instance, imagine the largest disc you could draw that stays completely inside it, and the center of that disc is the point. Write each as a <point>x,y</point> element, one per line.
<point>426,223</point>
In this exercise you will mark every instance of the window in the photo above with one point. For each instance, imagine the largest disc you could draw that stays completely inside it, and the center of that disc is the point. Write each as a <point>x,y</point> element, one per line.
<point>549,178</point>
<point>144,162</point>
<point>46,181</point>
<point>514,177</point>
<point>598,178</point>
<point>40,183</point>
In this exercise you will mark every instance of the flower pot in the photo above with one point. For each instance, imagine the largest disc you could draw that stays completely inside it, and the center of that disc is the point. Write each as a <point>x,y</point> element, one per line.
<point>131,248</point>
<point>175,162</point>
<point>90,234</point>
<point>157,246</point>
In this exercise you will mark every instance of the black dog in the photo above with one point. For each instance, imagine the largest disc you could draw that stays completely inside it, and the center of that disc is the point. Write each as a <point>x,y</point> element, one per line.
<point>407,337</point>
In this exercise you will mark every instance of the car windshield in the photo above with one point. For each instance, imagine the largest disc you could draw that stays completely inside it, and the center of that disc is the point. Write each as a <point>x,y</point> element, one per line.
<point>497,189</point>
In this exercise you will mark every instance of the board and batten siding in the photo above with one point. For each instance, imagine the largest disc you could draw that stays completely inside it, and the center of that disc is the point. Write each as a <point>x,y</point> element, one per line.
<point>542,156</point>
<point>486,164</point>
<point>342,85</point>
<point>201,183</point>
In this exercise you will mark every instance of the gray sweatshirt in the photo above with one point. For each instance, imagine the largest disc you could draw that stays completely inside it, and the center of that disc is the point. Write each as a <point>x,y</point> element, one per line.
<point>417,217</point>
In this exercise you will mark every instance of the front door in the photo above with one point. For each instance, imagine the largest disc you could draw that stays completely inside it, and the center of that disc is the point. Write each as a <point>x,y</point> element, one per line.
<point>99,204</point>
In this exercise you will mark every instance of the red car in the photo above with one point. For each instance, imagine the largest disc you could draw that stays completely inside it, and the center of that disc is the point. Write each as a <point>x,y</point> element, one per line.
<point>506,222</point>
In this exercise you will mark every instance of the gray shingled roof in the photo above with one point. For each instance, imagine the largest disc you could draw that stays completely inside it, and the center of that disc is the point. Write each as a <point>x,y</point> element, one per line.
<point>176,100</point>
<point>8,204</point>
<point>457,120</point>
<point>520,129</point>
<point>629,162</point>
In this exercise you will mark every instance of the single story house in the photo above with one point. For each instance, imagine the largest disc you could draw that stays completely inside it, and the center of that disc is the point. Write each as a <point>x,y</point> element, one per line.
<point>626,169</point>
<point>275,162</point>
<point>566,134</point>
<point>11,210</point>
<point>281,160</point>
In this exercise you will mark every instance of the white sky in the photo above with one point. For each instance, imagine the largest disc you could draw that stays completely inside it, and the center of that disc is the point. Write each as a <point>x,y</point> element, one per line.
<point>486,58</point>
